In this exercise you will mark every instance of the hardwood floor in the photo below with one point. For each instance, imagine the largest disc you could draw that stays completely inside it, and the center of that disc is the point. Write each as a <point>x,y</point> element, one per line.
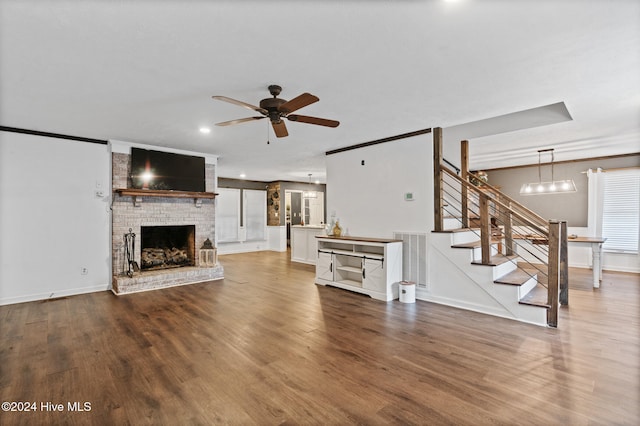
<point>267,346</point>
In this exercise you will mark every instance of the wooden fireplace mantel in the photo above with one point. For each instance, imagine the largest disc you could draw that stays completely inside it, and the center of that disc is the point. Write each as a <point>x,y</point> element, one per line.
<point>164,193</point>
<point>137,194</point>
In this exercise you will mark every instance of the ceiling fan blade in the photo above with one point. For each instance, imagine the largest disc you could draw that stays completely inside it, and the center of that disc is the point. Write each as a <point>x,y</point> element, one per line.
<point>313,120</point>
<point>298,102</point>
<point>280,129</point>
<point>242,104</point>
<point>239,120</point>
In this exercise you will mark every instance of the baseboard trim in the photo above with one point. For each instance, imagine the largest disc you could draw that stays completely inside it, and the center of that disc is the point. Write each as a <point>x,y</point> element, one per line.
<point>53,295</point>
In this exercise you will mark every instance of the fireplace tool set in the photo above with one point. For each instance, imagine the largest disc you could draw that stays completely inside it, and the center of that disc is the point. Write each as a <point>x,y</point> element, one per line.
<point>129,250</point>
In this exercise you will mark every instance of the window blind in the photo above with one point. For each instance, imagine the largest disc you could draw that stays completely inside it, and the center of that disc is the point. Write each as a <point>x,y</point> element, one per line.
<point>228,215</point>
<point>255,214</point>
<point>621,210</point>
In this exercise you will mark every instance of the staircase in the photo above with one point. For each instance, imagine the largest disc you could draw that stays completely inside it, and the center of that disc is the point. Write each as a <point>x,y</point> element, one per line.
<point>493,254</point>
<point>499,288</point>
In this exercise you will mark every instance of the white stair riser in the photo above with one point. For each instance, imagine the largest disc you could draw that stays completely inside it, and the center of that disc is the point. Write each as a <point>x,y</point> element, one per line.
<point>477,252</point>
<point>451,223</point>
<point>504,268</point>
<point>463,237</point>
<point>525,288</point>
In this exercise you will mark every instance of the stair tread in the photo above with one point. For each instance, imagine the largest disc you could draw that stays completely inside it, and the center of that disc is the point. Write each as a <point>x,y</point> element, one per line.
<point>515,277</point>
<point>452,230</point>
<point>474,244</point>
<point>450,216</point>
<point>536,297</point>
<point>495,260</point>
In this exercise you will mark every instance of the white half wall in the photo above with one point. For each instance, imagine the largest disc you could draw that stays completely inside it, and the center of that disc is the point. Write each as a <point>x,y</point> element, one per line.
<point>52,222</point>
<point>276,241</point>
<point>243,247</point>
<point>369,199</point>
<point>277,236</point>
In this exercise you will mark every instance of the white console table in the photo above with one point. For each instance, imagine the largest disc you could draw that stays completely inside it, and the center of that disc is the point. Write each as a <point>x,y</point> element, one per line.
<point>371,266</point>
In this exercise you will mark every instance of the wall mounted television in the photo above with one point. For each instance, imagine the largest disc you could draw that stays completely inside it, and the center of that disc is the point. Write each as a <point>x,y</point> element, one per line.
<point>166,171</point>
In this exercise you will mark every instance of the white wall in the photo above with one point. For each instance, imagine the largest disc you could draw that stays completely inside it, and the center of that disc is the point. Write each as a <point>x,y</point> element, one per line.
<point>52,224</point>
<point>369,199</point>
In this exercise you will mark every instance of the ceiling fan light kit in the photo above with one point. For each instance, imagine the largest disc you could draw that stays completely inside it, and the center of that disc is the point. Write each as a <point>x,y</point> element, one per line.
<point>276,109</point>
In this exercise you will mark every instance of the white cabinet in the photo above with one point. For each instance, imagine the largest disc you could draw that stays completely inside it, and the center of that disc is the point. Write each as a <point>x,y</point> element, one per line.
<point>371,266</point>
<point>373,275</point>
<point>324,266</point>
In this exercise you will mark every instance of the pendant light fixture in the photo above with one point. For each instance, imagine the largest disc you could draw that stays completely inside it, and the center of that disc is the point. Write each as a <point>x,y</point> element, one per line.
<point>549,187</point>
<point>309,193</point>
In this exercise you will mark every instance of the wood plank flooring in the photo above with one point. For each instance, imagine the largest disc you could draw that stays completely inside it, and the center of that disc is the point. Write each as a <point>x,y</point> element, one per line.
<point>267,346</point>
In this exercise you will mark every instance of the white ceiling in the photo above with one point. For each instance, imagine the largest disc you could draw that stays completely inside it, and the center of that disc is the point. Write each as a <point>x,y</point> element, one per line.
<point>145,72</point>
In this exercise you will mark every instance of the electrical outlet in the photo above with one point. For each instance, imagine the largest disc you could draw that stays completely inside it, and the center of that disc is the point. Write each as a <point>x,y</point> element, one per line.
<point>99,193</point>
<point>84,271</point>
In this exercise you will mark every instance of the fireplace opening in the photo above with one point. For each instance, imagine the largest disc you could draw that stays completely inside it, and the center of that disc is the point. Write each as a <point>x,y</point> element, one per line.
<point>167,247</point>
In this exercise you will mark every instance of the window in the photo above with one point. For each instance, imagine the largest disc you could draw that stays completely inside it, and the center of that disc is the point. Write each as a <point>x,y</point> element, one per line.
<point>228,215</point>
<point>255,213</point>
<point>241,215</point>
<point>621,210</point>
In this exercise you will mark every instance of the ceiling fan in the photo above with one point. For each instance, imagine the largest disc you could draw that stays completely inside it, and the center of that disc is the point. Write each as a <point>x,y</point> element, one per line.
<point>276,109</point>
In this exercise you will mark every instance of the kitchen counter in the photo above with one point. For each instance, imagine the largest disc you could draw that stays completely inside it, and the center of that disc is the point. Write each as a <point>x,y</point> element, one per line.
<point>304,247</point>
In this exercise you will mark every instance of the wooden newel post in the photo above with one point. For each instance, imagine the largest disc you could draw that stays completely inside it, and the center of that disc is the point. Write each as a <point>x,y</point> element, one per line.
<point>464,174</point>
<point>555,233</point>
<point>485,229</point>
<point>438,191</point>
<point>564,265</point>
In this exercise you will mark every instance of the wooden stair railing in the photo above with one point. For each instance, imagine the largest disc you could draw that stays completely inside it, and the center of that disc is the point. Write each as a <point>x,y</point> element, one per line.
<point>506,210</point>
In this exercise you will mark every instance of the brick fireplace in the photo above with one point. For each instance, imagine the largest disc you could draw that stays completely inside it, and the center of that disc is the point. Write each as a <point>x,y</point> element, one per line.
<point>168,230</point>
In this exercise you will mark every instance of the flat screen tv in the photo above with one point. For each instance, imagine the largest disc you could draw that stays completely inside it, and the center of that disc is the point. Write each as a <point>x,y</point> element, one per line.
<point>166,171</point>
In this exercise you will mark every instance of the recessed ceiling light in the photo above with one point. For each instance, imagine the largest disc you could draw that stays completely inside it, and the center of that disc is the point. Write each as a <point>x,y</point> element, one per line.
<point>242,175</point>
<point>205,130</point>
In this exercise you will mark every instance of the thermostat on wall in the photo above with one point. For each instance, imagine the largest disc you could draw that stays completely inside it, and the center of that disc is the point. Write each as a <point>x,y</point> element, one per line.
<point>408,196</point>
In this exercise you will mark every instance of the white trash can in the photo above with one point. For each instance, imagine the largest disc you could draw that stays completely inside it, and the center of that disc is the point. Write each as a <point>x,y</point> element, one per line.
<point>407,290</point>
